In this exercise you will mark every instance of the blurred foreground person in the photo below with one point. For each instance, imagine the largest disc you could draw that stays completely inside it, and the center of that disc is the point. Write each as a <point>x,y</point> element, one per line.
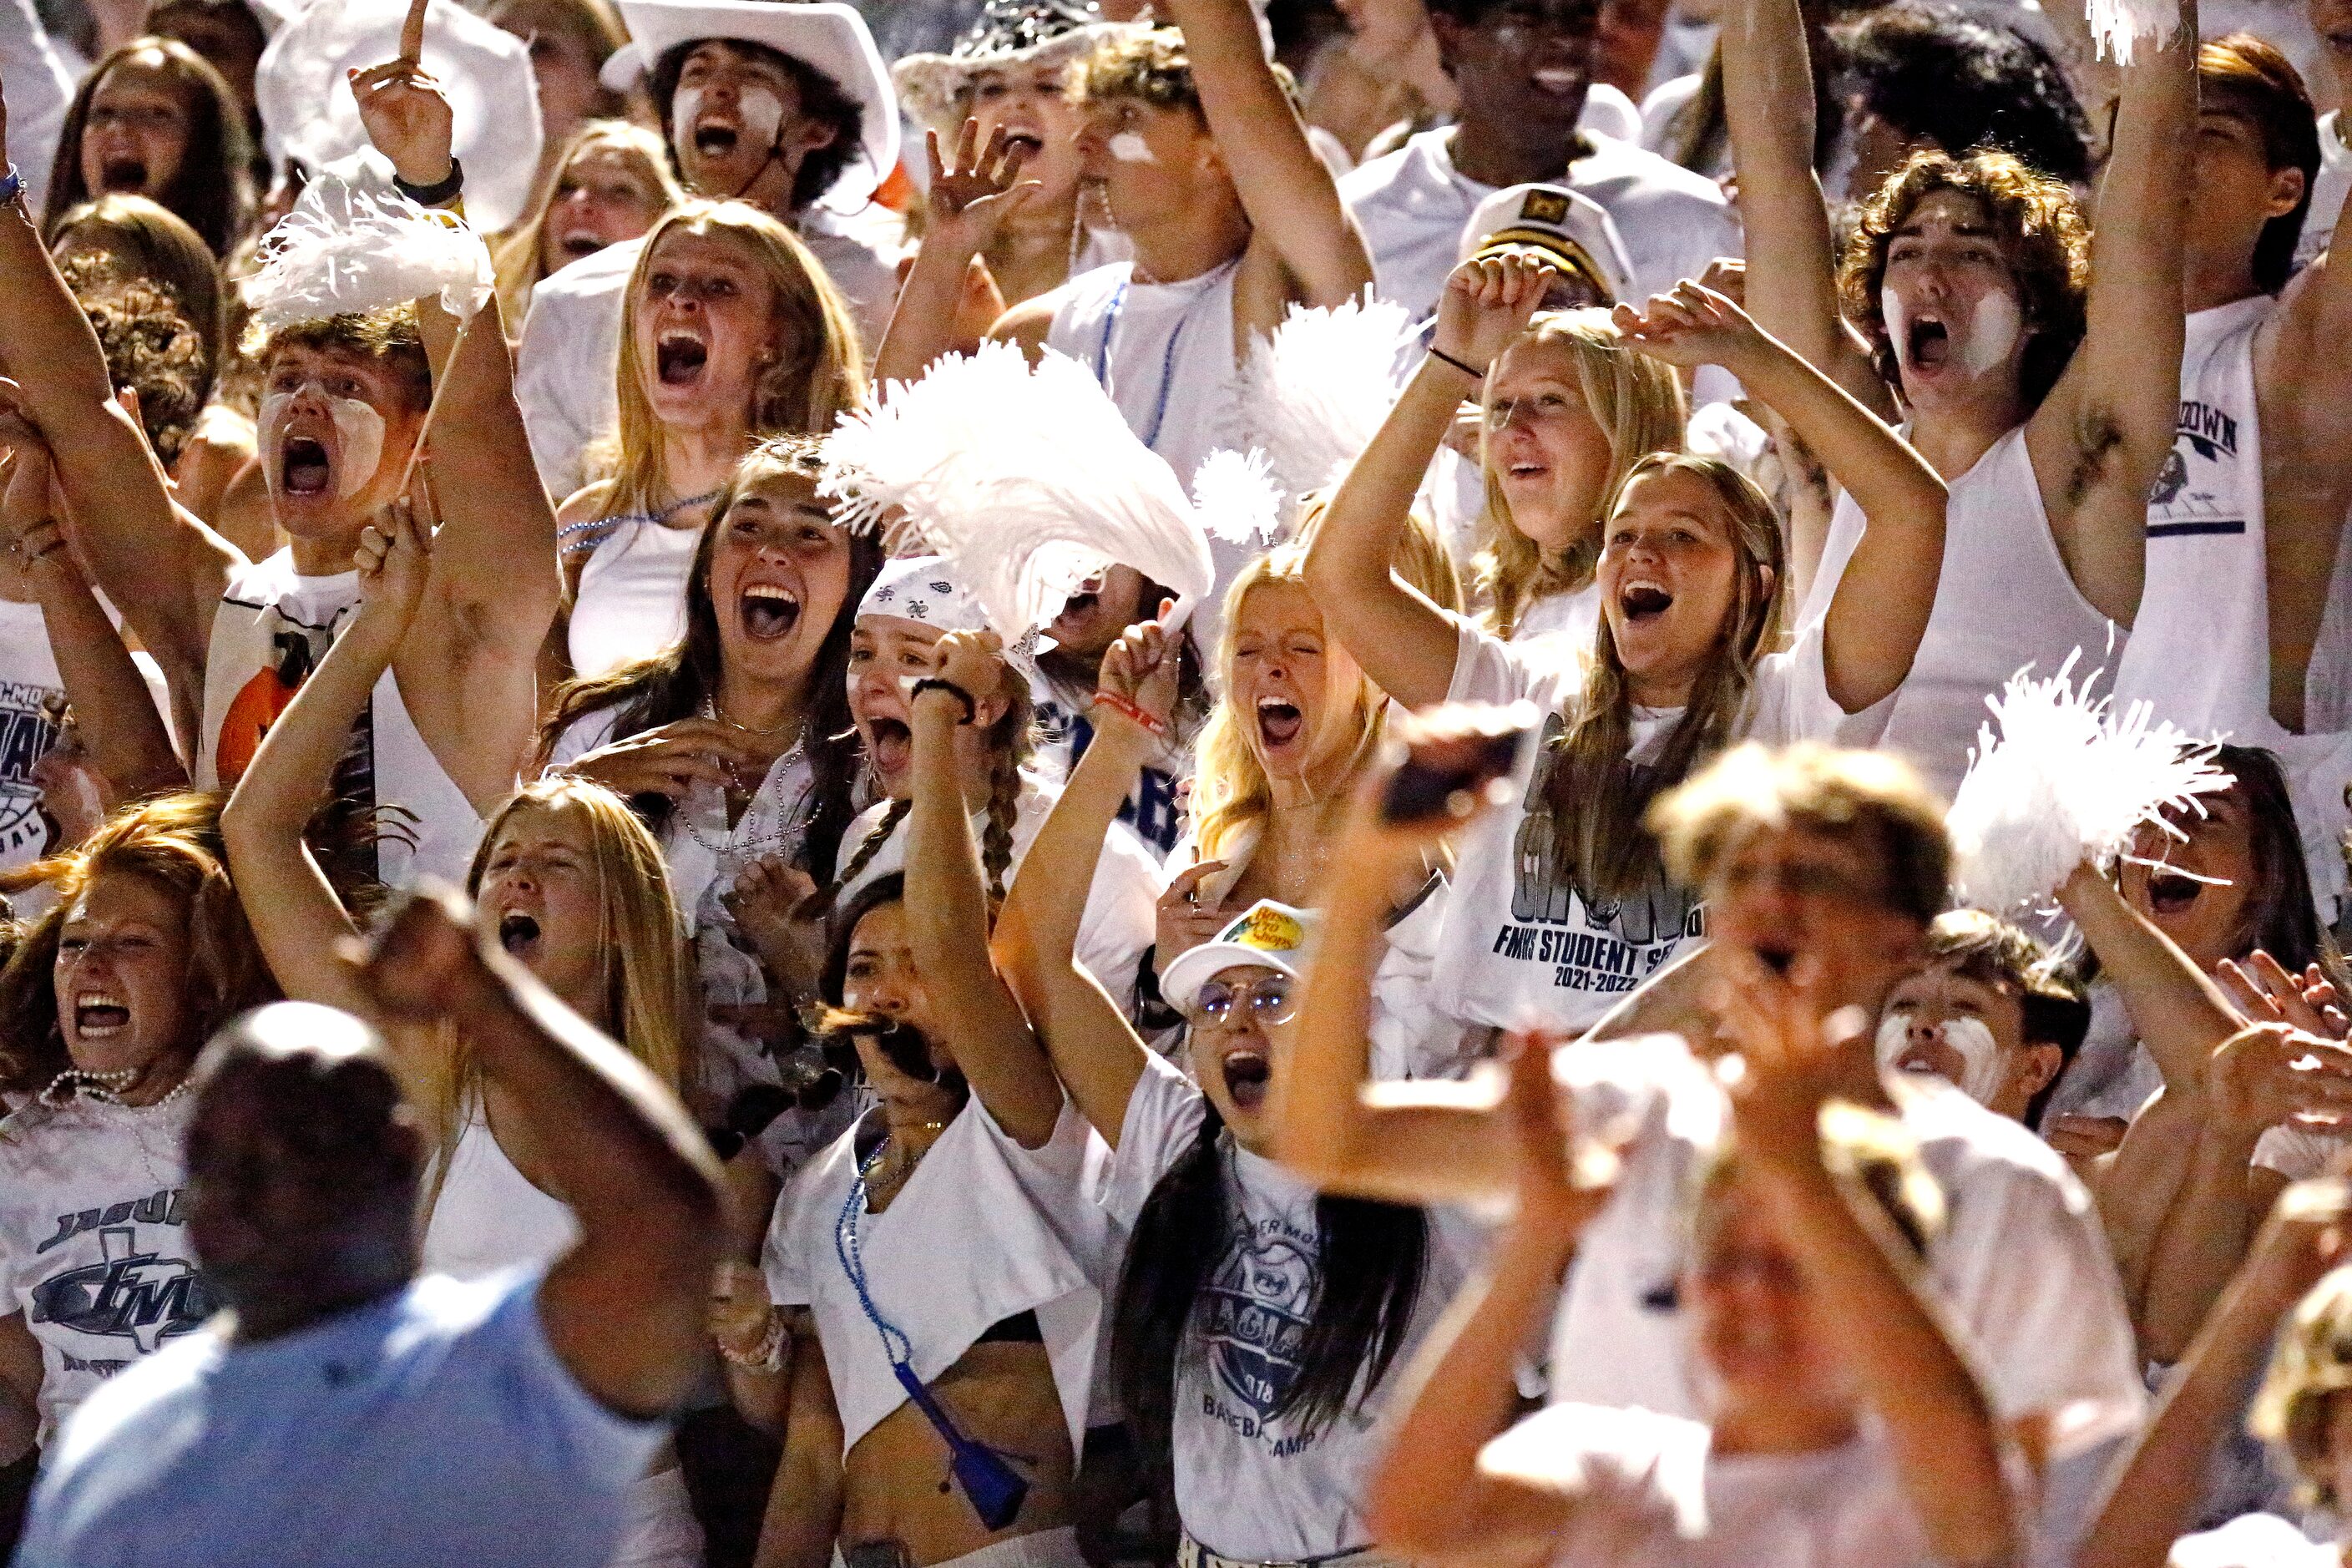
<point>491,1422</point>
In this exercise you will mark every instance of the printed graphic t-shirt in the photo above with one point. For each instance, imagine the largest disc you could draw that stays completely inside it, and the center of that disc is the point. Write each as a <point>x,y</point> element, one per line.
<point>93,1248</point>
<point>1521,940</point>
<point>1251,1484</point>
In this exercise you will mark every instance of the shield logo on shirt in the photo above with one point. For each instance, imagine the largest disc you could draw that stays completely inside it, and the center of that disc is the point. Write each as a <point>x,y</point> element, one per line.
<point>144,1297</point>
<point>1255,1307</point>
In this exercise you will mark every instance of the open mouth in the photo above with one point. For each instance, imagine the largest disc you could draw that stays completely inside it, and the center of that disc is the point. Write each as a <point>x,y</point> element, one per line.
<point>100,1015</point>
<point>1247,1073</point>
<point>1645,602</point>
<point>679,357</point>
<point>1279,722</point>
<point>1527,470</point>
<point>2170,892</point>
<point>889,742</point>
<point>123,174</point>
<point>1558,81</point>
<point>716,141</point>
<point>303,467</point>
<point>518,933</point>
<point>580,242</point>
<point>769,612</point>
<point>1777,959</point>
<point>1023,145</point>
<point>1931,344</point>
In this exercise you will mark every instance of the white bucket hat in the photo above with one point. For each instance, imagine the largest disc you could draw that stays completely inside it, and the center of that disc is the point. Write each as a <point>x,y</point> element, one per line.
<point>828,38</point>
<point>308,113</point>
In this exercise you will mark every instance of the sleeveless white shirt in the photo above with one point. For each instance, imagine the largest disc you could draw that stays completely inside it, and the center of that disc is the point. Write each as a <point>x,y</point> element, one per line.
<point>1164,352</point>
<point>631,602</point>
<point>2200,644</point>
<point>271,629</point>
<point>488,1215</point>
<point>2005,600</point>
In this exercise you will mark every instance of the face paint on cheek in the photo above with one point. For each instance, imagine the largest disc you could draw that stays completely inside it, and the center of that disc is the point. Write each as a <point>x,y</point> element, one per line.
<point>271,422</point>
<point>1898,325</point>
<point>1893,1034</point>
<point>1982,1072</point>
<point>762,113</point>
<point>1994,327</point>
<point>359,431</point>
<point>1128,147</point>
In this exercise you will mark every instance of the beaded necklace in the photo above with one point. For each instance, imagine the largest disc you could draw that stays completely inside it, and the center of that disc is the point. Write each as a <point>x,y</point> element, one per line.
<point>570,540</point>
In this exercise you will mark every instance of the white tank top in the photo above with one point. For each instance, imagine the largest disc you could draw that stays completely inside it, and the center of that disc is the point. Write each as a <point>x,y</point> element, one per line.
<point>488,1215</point>
<point>2005,600</point>
<point>271,629</point>
<point>631,603</point>
<point>2200,644</point>
<point>1164,352</point>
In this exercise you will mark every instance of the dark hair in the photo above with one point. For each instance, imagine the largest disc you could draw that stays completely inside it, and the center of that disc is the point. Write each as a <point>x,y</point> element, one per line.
<point>2041,233</point>
<point>153,349</point>
<point>674,684</point>
<point>141,239</point>
<point>890,888</point>
<point>213,187</point>
<point>1942,78</point>
<point>390,338</point>
<point>822,99</point>
<point>2244,74</point>
<point>2054,1007</point>
<point>2281,918</point>
<point>1374,1256</point>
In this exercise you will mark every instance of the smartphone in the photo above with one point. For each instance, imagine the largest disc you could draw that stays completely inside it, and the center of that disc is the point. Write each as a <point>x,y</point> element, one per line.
<point>1437,773</point>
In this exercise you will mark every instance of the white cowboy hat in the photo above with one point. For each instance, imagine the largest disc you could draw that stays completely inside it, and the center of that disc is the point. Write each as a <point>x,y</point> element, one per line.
<point>1005,33</point>
<point>308,113</point>
<point>828,38</point>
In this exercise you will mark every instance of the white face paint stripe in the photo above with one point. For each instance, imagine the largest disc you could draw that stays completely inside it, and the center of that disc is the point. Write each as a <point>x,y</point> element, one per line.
<point>359,441</point>
<point>1128,147</point>
<point>761,111</point>
<point>1982,1071</point>
<point>1994,328</point>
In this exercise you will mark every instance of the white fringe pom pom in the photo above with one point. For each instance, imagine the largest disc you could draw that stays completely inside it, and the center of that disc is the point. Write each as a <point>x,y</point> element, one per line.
<point>2117,26</point>
<point>1028,480</point>
<point>1316,392</point>
<point>1238,499</point>
<point>2065,782</point>
<point>347,252</point>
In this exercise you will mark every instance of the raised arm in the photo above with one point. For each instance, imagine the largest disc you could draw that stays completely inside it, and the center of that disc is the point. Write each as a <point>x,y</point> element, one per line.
<point>1768,105</point>
<point>1094,1050</point>
<point>295,914</point>
<point>1405,643</point>
<point>468,673</point>
<point>1415,1142</point>
<point>967,201</point>
<point>1881,608</point>
<point>947,907</point>
<point>1861,1276</point>
<point>1435,1497</point>
<point>163,569</point>
<point>2153,1495</point>
<point>624,1307</point>
<point>2099,439</point>
<point>127,741</point>
<point>1297,220</point>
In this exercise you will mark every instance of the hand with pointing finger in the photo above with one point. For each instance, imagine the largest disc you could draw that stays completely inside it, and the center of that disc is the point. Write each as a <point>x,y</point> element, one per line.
<point>406,114</point>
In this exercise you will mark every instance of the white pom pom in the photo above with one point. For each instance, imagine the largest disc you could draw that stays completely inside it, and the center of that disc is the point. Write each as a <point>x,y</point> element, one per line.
<point>1027,480</point>
<point>2063,784</point>
<point>1315,394</point>
<point>1237,498</point>
<point>2117,26</point>
<point>347,252</point>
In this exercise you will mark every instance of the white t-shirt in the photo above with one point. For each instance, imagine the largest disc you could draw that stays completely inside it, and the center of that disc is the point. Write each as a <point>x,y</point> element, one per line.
<point>1250,1484</point>
<point>271,629</point>
<point>2021,1262</point>
<point>28,682</point>
<point>982,1230</point>
<point>93,1246</point>
<point>567,366</point>
<point>1653,1494</point>
<point>2201,650</point>
<point>2255,1540</point>
<point>631,602</point>
<point>1122,913</point>
<point>1412,206</point>
<point>1521,939</point>
<point>1153,809</point>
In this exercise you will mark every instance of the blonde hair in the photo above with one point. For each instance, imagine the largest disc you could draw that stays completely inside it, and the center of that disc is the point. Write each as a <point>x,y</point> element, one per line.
<point>1230,789</point>
<point>521,258</point>
<point>1634,398</point>
<point>1595,795</point>
<point>819,372</point>
<point>640,939</point>
<point>2310,1369</point>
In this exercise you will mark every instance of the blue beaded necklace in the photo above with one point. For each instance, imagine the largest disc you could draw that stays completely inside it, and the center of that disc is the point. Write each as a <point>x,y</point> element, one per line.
<point>568,541</point>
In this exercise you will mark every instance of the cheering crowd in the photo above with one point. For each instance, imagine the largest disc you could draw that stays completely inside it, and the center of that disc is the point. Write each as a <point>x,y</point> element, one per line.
<point>1015,784</point>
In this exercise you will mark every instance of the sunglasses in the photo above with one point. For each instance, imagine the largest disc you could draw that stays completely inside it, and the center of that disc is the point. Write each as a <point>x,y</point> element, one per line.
<point>1222,1004</point>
